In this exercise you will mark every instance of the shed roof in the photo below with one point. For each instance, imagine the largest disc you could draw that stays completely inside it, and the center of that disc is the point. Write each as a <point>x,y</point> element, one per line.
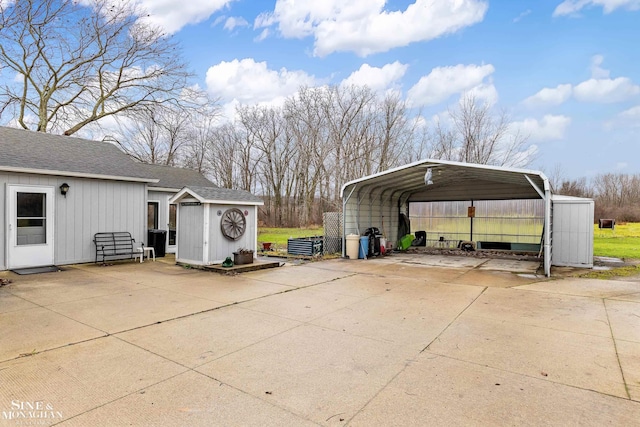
<point>173,178</point>
<point>218,195</point>
<point>452,181</point>
<point>43,153</point>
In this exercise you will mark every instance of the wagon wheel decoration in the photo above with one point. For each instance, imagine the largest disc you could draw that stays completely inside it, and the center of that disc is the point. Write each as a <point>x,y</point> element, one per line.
<point>233,224</point>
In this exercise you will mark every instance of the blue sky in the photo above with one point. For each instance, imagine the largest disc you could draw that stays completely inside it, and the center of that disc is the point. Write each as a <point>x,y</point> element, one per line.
<point>566,71</point>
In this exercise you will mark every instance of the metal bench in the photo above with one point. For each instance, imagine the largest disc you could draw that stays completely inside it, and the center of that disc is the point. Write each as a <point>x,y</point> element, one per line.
<point>115,245</point>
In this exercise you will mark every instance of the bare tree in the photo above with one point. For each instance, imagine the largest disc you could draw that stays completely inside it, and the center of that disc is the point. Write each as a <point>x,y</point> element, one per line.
<point>266,126</point>
<point>75,64</point>
<point>201,137</point>
<point>478,135</point>
<point>154,134</point>
<point>574,187</point>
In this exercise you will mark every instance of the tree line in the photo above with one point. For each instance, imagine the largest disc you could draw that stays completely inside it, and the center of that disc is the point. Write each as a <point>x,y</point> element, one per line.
<point>299,154</point>
<point>616,196</point>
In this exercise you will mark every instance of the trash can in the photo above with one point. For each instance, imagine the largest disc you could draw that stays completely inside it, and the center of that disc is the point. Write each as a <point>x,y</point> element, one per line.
<point>363,251</point>
<point>353,240</point>
<point>157,239</point>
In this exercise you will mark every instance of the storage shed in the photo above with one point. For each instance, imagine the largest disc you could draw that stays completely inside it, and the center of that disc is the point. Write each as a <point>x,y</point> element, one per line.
<point>572,231</point>
<point>212,223</point>
<point>378,200</point>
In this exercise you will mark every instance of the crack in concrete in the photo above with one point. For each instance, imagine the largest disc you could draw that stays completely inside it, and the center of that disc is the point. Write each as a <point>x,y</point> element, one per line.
<point>615,348</point>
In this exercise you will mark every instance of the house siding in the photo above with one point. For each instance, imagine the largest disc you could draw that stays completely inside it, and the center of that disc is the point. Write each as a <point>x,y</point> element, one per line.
<point>91,206</point>
<point>219,246</point>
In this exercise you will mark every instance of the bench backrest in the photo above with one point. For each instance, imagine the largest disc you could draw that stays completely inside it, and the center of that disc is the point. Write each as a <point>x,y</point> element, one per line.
<point>114,242</point>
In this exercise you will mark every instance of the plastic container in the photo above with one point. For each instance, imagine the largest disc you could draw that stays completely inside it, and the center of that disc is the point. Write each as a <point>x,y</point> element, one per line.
<point>364,247</point>
<point>405,242</point>
<point>383,245</point>
<point>353,241</point>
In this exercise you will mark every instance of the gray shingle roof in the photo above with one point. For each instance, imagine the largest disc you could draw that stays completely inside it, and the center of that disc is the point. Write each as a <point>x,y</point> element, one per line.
<point>225,194</point>
<point>29,150</point>
<point>172,177</point>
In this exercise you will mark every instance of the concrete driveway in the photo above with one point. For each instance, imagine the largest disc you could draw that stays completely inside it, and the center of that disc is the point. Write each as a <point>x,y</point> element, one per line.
<point>402,340</point>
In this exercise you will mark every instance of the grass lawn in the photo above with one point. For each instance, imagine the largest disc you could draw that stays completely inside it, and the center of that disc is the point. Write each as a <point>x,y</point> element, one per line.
<point>278,236</point>
<point>623,242</point>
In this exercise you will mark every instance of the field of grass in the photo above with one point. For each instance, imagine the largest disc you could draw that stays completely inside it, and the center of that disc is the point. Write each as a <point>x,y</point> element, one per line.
<point>623,242</point>
<point>278,236</point>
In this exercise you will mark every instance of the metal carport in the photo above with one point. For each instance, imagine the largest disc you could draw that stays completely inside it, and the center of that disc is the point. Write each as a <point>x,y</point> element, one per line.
<point>378,200</point>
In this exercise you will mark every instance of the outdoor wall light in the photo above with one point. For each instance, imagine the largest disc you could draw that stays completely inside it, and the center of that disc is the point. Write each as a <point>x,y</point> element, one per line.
<point>64,189</point>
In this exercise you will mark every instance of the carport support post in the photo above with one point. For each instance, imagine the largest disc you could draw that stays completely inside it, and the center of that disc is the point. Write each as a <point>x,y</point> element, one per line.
<point>345,200</point>
<point>546,196</point>
<point>471,221</point>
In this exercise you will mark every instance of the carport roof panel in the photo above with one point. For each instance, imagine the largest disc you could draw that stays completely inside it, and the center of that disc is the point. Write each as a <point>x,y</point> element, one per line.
<point>452,181</point>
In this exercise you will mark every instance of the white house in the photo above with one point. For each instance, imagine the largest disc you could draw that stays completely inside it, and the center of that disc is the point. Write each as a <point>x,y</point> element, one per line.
<point>57,192</point>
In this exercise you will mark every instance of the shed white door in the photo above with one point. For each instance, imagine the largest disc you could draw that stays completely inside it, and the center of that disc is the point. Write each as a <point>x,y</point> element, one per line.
<point>30,226</point>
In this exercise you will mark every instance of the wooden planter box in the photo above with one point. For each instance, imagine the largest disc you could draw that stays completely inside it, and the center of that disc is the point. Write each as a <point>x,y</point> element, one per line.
<point>244,258</point>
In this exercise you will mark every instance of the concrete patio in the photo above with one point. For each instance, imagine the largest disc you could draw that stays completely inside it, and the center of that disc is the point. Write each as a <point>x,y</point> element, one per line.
<point>401,340</point>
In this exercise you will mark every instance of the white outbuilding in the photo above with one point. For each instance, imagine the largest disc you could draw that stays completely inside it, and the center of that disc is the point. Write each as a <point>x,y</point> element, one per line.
<point>381,199</point>
<point>212,223</point>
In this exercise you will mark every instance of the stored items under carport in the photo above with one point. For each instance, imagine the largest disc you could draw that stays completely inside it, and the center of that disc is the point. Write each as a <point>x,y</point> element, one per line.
<point>374,241</point>
<point>421,239</point>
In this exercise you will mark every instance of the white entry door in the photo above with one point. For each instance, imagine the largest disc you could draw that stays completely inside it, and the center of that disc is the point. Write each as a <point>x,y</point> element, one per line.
<point>29,226</point>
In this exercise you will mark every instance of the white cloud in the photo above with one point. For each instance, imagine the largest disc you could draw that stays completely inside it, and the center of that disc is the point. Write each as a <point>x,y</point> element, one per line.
<point>172,15</point>
<point>627,118</point>
<point>606,90</point>
<point>522,15</point>
<point>549,128</point>
<point>600,88</point>
<point>365,27</point>
<point>571,7</point>
<point>253,82</point>
<point>550,96</point>
<point>263,35</point>
<point>485,93</point>
<point>597,72</point>
<point>622,166</point>
<point>233,22</point>
<point>443,82</point>
<point>378,79</point>
<point>632,113</point>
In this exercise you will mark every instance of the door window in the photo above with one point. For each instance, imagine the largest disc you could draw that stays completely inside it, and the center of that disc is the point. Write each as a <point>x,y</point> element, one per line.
<point>152,215</point>
<point>31,218</point>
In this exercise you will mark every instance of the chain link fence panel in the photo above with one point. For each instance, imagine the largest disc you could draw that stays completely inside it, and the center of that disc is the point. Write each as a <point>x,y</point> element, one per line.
<point>332,222</point>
